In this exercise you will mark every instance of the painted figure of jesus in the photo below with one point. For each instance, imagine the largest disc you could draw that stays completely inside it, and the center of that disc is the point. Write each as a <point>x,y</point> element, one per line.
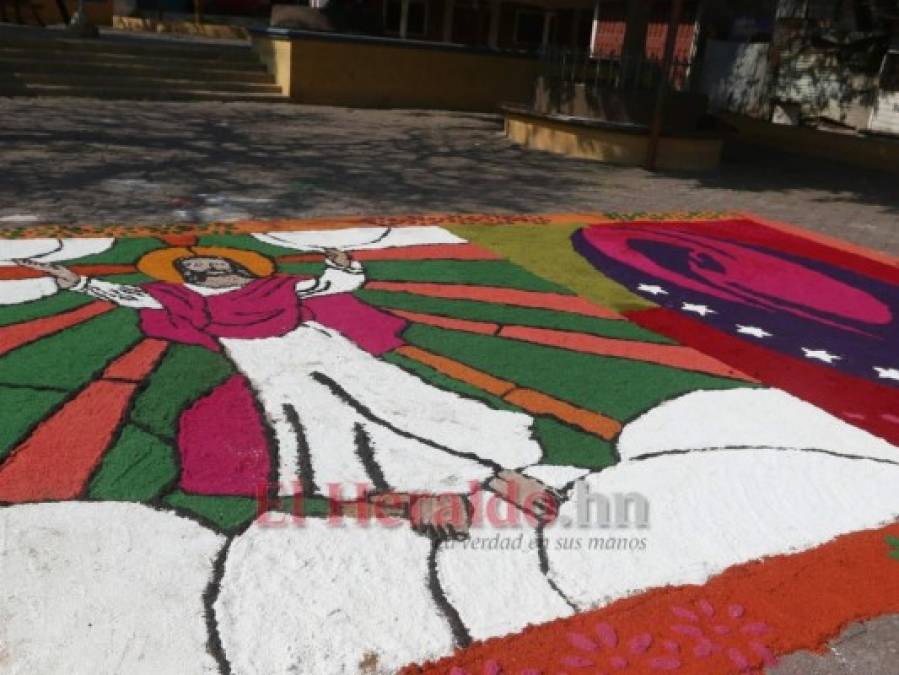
<point>340,415</point>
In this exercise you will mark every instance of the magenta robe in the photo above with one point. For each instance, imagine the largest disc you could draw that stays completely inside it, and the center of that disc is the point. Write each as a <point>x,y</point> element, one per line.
<point>264,308</point>
<point>221,437</point>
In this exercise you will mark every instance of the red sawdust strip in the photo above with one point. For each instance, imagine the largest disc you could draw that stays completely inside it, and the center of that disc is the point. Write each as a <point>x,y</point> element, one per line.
<point>736,622</point>
<point>503,296</point>
<point>179,239</point>
<point>826,241</point>
<point>136,364</point>
<point>448,322</point>
<point>675,356</point>
<point>19,334</point>
<point>458,371</point>
<point>860,402</point>
<point>538,403</point>
<point>56,460</point>
<point>331,223</point>
<point>12,273</point>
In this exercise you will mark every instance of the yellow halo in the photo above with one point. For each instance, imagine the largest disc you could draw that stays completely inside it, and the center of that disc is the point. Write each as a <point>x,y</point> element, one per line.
<point>160,264</point>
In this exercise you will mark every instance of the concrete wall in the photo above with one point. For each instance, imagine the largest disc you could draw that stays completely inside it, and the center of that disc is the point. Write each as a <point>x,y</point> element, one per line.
<point>885,118</point>
<point>735,77</point>
<point>206,30</point>
<point>689,153</point>
<point>683,110</point>
<point>869,152</point>
<point>275,54</point>
<point>362,72</point>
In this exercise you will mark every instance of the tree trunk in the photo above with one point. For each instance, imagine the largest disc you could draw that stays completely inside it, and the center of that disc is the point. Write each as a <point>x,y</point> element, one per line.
<point>63,11</point>
<point>635,30</point>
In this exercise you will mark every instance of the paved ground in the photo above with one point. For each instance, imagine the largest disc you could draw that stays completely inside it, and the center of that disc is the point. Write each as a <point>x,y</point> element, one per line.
<point>69,160</point>
<point>80,161</point>
<point>869,648</point>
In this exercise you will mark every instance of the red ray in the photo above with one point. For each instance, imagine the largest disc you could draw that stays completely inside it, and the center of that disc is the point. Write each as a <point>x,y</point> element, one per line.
<point>503,296</point>
<point>14,273</point>
<point>19,334</point>
<point>56,460</point>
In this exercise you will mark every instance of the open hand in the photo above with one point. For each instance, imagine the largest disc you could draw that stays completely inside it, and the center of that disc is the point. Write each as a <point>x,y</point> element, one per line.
<point>65,278</point>
<point>441,517</point>
<point>338,257</point>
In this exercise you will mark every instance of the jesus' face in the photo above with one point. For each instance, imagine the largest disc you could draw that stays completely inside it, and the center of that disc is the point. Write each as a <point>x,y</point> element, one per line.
<point>213,272</point>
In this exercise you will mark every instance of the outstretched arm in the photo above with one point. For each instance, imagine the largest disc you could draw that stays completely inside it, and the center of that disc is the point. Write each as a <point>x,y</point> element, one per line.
<point>121,294</point>
<point>342,275</point>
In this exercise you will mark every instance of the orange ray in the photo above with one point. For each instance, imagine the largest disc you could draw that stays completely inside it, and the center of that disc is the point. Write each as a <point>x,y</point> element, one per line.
<point>59,456</point>
<point>448,322</point>
<point>538,403</point>
<point>675,356</point>
<point>19,334</point>
<point>458,371</point>
<point>56,460</point>
<point>16,272</point>
<point>504,296</point>
<point>532,401</point>
<point>135,364</point>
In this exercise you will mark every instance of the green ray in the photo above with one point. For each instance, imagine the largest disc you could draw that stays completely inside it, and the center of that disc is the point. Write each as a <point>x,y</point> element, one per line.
<point>72,357</point>
<point>618,387</point>
<point>138,467</point>
<point>507,315</point>
<point>186,373</point>
<point>29,406</point>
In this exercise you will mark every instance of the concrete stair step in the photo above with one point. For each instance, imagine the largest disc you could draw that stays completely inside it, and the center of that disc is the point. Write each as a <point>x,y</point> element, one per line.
<point>162,58</point>
<point>149,82</point>
<point>24,67</point>
<point>134,93</point>
<point>54,41</point>
<point>49,62</point>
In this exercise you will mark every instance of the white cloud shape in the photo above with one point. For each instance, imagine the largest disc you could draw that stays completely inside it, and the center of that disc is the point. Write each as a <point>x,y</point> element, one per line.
<point>17,291</point>
<point>357,238</point>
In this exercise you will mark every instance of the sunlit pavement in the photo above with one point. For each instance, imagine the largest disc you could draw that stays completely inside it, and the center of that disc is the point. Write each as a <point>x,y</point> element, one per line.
<point>87,161</point>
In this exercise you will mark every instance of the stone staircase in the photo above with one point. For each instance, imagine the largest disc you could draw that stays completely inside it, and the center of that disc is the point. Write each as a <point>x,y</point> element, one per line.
<point>122,65</point>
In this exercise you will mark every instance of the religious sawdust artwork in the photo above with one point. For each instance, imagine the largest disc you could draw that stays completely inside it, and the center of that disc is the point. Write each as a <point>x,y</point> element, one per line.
<point>816,319</point>
<point>442,444</point>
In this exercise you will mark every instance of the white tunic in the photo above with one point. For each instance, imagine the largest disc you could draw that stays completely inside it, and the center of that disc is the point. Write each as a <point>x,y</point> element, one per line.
<point>343,417</point>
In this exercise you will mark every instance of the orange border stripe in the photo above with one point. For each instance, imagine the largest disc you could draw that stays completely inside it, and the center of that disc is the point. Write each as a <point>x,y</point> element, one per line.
<point>447,220</point>
<point>18,334</point>
<point>504,296</point>
<point>803,600</point>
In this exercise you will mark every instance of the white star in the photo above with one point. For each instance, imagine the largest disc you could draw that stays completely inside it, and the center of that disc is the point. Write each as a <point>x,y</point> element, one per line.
<point>702,310</point>
<point>821,355</point>
<point>754,331</point>
<point>652,289</point>
<point>887,373</point>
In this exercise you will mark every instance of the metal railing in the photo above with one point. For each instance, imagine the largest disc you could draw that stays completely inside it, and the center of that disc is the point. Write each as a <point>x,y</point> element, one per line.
<point>563,67</point>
